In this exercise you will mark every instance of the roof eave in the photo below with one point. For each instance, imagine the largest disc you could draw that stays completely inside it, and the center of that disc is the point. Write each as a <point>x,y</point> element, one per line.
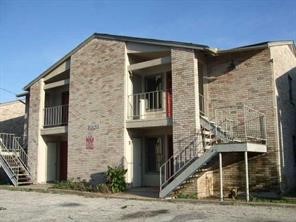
<point>255,47</point>
<point>117,38</point>
<point>242,49</point>
<point>151,41</point>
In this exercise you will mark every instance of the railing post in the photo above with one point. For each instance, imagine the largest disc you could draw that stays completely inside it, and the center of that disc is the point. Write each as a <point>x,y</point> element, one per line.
<point>165,172</point>
<point>160,178</point>
<point>221,176</point>
<point>247,177</point>
<point>245,122</point>
<point>262,126</point>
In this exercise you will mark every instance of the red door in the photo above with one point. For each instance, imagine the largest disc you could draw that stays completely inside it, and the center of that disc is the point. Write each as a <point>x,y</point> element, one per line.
<point>63,160</point>
<point>170,169</point>
<point>169,99</point>
<point>65,108</point>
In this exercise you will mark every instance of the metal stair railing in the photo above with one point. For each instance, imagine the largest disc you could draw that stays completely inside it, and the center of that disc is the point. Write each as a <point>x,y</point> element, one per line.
<point>7,157</point>
<point>223,130</point>
<point>12,145</point>
<point>23,156</point>
<point>7,140</point>
<point>249,125</point>
<point>196,148</point>
<point>176,163</point>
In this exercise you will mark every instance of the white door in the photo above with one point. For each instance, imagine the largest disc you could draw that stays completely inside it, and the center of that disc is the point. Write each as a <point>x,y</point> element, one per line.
<point>137,162</point>
<point>51,162</point>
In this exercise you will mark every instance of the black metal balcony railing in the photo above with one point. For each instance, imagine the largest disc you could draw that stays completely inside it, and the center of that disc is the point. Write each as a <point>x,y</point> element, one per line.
<point>56,116</point>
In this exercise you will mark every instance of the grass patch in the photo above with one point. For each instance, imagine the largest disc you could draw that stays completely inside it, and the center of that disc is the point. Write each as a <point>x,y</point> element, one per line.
<point>74,185</point>
<point>283,200</point>
<point>186,196</point>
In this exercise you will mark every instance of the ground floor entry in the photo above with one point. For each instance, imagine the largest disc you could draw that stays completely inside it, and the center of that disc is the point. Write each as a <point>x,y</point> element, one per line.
<point>148,154</point>
<point>56,161</point>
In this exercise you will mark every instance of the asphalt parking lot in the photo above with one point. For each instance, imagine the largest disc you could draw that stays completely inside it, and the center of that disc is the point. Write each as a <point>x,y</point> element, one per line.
<point>33,206</point>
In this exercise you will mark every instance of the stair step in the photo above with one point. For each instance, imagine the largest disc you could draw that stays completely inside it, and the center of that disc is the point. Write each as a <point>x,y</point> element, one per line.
<point>199,154</point>
<point>204,116</point>
<point>207,132</point>
<point>24,175</point>
<point>207,140</point>
<point>15,167</point>
<point>207,147</point>
<point>25,182</point>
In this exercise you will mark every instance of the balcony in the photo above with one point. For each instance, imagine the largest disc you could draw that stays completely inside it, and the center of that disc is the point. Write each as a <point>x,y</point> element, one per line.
<point>149,109</point>
<point>56,116</point>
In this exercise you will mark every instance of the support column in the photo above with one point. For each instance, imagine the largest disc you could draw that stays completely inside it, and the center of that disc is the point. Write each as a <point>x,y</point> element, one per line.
<point>247,177</point>
<point>36,143</point>
<point>185,95</point>
<point>221,177</point>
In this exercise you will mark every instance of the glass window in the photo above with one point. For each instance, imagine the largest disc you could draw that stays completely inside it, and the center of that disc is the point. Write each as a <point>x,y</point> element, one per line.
<point>154,154</point>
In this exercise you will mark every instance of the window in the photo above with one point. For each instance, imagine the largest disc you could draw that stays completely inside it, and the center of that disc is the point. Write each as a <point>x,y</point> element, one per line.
<point>154,87</point>
<point>154,154</point>
<point>294,149</point>
<point>290,89</point>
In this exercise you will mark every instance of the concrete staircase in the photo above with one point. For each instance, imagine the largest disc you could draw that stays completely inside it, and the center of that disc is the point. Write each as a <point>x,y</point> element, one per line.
<point>14,160</point>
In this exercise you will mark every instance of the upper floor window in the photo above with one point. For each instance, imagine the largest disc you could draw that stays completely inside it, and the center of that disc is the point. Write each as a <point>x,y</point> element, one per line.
<point>290,82</point>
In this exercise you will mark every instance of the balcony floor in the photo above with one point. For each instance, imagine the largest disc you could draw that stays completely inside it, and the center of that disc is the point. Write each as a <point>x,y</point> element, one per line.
<point>241,147</point>
<point>143,123</point>
<point>54,130</point>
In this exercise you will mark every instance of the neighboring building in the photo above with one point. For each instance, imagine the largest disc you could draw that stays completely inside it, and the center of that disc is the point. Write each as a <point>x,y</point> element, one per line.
<point>12,120</point>
<point>168,112</point>
<point>12,117</point>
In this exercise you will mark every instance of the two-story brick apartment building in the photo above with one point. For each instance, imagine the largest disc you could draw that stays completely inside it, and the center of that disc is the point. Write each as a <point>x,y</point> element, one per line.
<point>177,115</point>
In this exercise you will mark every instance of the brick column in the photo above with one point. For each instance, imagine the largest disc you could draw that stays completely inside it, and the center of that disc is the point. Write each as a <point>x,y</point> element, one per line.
<point>36,144</point>
<point>185,97</point>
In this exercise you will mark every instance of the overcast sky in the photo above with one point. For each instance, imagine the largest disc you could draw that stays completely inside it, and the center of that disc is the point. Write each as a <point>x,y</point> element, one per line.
<point>36,33</point>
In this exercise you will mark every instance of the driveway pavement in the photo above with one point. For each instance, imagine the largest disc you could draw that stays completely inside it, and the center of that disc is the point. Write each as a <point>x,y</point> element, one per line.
<point>33,206</point>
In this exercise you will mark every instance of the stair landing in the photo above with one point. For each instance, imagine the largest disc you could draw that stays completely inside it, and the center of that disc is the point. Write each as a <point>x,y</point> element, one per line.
<point>240,147</point>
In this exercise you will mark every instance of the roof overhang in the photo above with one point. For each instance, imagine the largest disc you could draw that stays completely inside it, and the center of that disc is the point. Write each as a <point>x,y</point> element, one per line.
<point>205,48</point>
<point>117,38</point>
<point>256,46</point>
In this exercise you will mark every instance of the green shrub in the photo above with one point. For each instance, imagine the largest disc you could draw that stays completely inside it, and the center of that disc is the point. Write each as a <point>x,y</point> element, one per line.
<point>116,179</point>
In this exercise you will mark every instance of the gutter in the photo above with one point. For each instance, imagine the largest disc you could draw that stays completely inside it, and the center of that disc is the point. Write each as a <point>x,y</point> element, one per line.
<point>22,94</point>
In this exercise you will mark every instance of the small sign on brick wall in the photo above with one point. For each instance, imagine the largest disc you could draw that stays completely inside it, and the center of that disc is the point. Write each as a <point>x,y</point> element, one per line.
<point>90,139</point>
<point>90,142</point>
